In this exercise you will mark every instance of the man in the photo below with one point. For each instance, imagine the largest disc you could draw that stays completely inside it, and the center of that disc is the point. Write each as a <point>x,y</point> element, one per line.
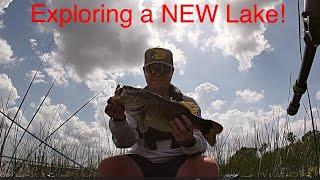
<point>155,153</point>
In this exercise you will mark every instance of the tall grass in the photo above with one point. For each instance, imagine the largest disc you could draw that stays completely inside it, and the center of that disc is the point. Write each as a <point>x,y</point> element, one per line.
<point>275,151</point>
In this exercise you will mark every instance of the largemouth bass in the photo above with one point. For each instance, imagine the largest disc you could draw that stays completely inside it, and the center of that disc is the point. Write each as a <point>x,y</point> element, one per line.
<point>152,110</point>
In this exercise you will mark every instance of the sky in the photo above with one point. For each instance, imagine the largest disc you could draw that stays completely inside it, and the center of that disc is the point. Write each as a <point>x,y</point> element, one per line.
<point>238,73</point>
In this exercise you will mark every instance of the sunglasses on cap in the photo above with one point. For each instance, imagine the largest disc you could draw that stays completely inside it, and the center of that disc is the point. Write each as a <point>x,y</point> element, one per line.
<point>158,68</point>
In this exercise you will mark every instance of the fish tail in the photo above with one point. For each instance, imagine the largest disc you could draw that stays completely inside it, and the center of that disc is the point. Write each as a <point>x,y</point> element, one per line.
<point>202,124</point>
<point>209,129</point>
<point>210,137</point>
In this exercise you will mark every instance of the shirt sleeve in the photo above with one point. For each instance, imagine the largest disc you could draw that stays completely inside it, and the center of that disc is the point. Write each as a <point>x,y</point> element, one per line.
<point>123,132</point>
<point>201,143</point>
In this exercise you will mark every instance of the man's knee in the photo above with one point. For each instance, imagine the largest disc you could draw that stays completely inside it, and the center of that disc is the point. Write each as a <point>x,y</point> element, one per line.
<point>199,166</point>
<point>118,166</point>
<point>211,166</point>
<point>107,165</point>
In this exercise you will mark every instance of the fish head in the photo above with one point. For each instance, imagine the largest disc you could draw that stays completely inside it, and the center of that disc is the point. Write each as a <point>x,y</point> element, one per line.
<point>131,97</point>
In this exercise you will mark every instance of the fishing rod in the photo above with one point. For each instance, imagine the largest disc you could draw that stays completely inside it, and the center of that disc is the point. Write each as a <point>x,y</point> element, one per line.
<point>311,21</point>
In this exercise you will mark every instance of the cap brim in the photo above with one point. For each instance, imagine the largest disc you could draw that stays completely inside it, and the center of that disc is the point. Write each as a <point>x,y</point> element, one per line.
<point>158,62</point>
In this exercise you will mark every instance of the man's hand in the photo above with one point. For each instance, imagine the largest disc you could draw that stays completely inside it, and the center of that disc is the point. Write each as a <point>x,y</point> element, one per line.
<point>115,108</point>
<point>183,133</point>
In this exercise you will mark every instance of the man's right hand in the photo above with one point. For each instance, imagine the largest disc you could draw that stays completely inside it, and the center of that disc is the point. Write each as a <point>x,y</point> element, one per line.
<point>115,109</point>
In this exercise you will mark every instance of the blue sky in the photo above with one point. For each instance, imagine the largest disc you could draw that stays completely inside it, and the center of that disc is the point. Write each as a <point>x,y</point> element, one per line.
<point>207,58</point>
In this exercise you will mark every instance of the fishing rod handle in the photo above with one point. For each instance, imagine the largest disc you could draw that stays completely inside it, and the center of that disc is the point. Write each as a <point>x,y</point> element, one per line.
<point>298,91</point>
<point>300,86</point>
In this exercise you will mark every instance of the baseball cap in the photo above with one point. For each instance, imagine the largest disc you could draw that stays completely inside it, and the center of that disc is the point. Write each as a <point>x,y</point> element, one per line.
<point>158,55</point>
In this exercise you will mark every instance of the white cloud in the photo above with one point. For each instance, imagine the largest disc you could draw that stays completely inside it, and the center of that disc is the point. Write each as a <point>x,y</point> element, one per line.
<point>318,95</point>
<point>216,105</point>
<point>5,52</point>
<point>19,119</point>
<point>242,41</point>
<point>249,95</point>
<point>34,44</point>
<point>204,93</point>
<point>53,68</point>
<point>53,73</point>
<point>38,79</point>
<point>206,88</point>
<point>6,89</point>
<point>206,96</point>
<point>98,81</point>
<point>3,5</point>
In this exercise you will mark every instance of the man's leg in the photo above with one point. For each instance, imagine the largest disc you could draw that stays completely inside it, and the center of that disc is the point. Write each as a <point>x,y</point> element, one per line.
<point>200,166</point>
<point>118,166</point>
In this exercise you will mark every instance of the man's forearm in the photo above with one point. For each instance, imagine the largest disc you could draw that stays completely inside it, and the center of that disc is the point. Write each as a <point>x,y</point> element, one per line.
<point>123,135</point>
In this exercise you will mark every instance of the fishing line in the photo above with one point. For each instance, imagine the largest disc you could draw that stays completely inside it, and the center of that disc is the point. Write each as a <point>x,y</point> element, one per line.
<point>34,115</point>
<point>42,142</point>
<point>24,97</point>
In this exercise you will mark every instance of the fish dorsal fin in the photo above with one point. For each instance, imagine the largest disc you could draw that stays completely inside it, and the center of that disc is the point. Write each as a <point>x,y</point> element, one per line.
<point>191,106</point>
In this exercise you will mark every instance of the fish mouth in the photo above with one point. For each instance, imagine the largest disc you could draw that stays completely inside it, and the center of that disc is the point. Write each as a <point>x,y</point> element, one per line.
<point>119,89</point>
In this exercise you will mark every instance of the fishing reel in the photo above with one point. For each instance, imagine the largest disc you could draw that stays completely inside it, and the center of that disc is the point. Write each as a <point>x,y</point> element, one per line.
<point>311,21</point>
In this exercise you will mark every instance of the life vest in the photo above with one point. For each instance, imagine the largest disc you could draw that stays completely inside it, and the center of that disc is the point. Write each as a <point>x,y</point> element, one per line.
<point>152,135</point>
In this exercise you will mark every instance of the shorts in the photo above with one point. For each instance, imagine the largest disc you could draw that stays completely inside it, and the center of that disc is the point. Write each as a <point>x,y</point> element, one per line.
<point>166,169</point>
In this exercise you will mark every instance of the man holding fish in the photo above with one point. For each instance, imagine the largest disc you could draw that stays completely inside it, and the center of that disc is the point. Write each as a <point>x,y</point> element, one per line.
<point>162,126</point>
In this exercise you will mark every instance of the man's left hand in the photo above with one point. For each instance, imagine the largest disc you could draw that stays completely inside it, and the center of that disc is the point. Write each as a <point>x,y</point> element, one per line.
<point>183,133</point>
